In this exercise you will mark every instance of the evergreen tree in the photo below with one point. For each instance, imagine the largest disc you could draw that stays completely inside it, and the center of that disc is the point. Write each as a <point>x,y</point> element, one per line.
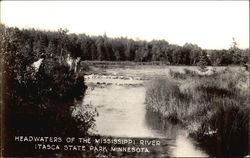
<point>235,53</point>
<point>203,61</point>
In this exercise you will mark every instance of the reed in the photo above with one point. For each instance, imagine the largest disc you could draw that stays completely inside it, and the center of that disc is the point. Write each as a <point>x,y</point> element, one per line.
<point>215,106</point>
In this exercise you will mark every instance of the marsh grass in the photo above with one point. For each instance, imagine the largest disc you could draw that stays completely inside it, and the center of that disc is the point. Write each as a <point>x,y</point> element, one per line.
<point>183,75</point>
<point>212,106</point>
<point>164,96</point>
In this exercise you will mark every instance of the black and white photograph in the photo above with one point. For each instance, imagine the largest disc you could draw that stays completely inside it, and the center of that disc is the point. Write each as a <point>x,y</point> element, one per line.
<point>134,79</point>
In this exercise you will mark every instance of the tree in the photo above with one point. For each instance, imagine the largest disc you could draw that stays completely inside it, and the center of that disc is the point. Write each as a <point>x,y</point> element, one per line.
<point>203,61</point>
<point>100,48</point>
<point>117,55</point>
<point>194,53</point>
<point>51,49</point>
<point>235,53</point>
<point>37,103</point>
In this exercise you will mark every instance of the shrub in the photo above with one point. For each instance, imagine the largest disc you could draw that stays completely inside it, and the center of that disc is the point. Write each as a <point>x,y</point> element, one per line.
<point>85,116</point>
<point>177,74</point>
<point>186,74</point>
<point>84,67</point>
<point>40,103</point>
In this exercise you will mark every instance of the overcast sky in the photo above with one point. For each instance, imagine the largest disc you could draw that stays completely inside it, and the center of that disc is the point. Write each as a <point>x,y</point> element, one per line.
<point>209,24</point>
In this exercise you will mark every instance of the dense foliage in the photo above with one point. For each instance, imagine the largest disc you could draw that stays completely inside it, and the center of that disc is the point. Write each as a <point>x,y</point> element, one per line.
<point>42,100</point>
<point>102,48</point>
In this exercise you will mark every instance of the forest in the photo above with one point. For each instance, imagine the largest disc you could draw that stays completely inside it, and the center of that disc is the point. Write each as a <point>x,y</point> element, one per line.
<point>60,43</point>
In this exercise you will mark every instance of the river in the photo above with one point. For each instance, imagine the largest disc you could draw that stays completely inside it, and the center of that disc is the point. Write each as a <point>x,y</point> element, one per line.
<point>122,113</point>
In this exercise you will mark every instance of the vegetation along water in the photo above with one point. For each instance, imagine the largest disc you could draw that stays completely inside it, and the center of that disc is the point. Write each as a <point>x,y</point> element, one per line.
<point>48,80</point>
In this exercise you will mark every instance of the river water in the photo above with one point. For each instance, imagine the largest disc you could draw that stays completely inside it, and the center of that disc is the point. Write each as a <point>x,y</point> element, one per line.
<point>122,113</point>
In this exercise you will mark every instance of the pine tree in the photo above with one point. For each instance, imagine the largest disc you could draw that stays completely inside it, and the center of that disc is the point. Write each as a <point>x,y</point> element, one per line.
<point>203,61</point>
<point>235,53</point>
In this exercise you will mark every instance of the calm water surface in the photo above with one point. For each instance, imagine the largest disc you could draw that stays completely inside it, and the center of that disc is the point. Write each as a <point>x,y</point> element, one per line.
<point>122,112</point>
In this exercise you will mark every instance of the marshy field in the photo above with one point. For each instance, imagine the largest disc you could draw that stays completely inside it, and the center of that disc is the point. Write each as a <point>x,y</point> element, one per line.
<point>201,113</point>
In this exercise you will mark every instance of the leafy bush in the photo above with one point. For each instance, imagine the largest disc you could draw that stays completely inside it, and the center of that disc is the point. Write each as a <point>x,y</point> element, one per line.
<point>41,101</point>
<point>85,116</point>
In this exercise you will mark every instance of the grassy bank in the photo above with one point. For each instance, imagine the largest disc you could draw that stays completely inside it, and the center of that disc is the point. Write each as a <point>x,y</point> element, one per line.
<point>211,107</point>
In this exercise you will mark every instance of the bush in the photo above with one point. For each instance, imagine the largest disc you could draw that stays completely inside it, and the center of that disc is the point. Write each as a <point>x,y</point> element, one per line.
<point>41,103</point>
<point>85,116</point>
<point>186,74</point>
<point>177,74</point>
<point>84,67</point>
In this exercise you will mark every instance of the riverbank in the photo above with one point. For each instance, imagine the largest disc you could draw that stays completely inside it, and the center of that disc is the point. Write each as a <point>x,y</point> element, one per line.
<point>122,113</point>
<point>143,72</point>
<point>211,107</point>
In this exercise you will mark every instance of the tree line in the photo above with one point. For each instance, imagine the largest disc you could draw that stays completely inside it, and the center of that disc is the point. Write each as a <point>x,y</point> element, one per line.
<point>102,48</point>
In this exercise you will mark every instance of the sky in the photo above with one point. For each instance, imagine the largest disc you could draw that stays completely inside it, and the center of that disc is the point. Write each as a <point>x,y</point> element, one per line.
<point>209,24</point>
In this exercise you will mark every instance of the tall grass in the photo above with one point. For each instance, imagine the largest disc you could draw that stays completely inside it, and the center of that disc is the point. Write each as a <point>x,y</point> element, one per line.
<point>215,106</point>
<point>164,96</point>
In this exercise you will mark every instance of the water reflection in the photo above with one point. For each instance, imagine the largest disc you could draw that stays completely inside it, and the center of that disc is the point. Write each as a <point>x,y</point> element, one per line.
<point>230,140</point>
<point>122,113</point>
<point>182,145</point>
<point>160,126</point>
<point>225,143</point>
